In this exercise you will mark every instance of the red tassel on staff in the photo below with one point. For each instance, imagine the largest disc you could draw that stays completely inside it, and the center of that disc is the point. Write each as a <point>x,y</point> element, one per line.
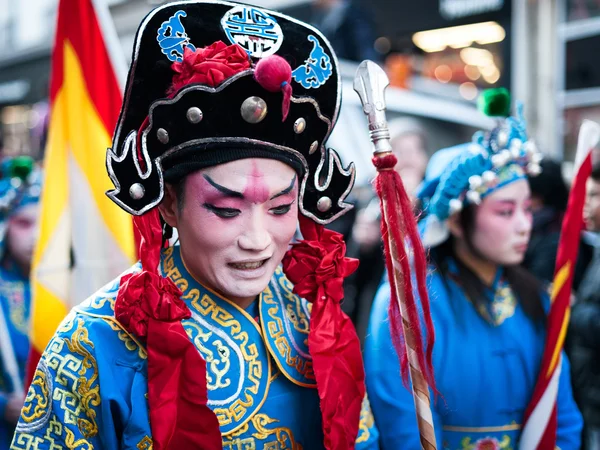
<point>398,211</point>
<point>398,224</point>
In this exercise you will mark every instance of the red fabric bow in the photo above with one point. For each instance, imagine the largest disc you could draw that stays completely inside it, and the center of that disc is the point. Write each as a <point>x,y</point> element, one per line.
<point>146,296</point>
<point>317,267</point>
<point>318,263</point>
<point>210,65</point>
<point>149,306</point>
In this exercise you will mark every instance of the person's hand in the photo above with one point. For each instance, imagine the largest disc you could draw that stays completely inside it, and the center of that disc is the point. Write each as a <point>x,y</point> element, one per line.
<point>12,412</point>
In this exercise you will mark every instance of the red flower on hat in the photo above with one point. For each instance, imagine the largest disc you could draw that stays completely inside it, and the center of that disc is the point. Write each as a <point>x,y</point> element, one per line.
<point>210,65</point>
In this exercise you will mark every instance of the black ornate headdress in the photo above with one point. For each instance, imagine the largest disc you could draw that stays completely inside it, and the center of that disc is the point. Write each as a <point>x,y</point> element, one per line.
<point>160,131</point>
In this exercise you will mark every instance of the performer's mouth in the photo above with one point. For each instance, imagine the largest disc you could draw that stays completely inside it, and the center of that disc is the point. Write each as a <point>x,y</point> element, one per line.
<point>521,248</point>
<point>248,265</point>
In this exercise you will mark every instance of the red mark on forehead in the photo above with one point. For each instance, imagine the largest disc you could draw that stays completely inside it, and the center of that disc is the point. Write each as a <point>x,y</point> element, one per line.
<point>256,190</point>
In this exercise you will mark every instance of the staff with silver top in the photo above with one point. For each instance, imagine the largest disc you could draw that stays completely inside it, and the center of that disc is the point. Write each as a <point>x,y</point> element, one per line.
<point>401,240</point>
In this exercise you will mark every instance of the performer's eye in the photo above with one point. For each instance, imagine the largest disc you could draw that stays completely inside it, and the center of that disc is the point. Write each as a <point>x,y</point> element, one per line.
<point>281,210</point>
<point>225,213</point>
<point>505,213</point>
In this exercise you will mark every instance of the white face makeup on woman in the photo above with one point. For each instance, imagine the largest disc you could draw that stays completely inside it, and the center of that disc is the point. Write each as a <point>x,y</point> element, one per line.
<point>236,224</point>
<point>21,235</point>
<point>591,211</point>
<point>503,224</point>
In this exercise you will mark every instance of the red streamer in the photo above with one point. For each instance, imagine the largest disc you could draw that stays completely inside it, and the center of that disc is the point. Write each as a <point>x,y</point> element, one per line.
<point>568,248</point>
<point>150,307</point>
<point>399,222</point>
<point>317,267</point>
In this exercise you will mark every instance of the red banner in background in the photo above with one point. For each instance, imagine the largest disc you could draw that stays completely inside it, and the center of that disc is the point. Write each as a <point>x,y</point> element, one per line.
<point>85,240</point>
<point>540,427</point>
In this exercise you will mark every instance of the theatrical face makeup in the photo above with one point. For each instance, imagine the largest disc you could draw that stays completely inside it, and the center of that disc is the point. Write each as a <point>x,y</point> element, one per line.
<point>591,211</point>
<point>21,234</point>
<point>236,223</point>
<point>503,224</point>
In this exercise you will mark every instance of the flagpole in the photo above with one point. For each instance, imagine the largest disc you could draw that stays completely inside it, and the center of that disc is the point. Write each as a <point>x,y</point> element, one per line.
<point>8,356</point>
<point>540,424</point>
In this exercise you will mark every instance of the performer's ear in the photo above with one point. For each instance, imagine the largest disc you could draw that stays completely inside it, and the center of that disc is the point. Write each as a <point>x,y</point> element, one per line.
<point>169,206</point>
<point>455,227</point>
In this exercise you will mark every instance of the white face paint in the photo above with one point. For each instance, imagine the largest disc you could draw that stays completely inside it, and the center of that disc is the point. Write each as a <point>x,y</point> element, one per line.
<point>591,211</point>
<point>21,234</point>
<point>236,224</point>
<point>503,224</point>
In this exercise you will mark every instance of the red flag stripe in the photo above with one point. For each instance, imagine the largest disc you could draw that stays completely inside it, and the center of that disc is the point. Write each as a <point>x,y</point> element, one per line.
<point>78,24</point>
<point>566,258</point>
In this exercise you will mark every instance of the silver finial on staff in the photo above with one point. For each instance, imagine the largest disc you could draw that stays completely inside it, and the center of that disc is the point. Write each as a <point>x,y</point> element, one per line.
<point>370,83</point>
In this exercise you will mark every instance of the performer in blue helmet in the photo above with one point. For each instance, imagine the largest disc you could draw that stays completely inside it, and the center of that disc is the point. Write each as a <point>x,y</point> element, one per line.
<point>19,197</point>
<point>225,340</point>
<point>488,312</point>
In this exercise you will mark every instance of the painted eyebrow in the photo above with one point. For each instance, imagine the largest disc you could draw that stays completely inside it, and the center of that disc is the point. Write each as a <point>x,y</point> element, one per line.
<point>506,202</point>
<point>223,189</point>
<point>287,190</point>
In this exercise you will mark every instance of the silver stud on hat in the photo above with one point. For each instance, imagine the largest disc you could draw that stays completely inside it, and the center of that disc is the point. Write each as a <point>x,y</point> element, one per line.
<point>136,191</point>
<point>299,125</point>
<point>253,110</point>
<point>324,204</point>
<point>313,147</point>
<point>162,136</point>
<point>194,115</point>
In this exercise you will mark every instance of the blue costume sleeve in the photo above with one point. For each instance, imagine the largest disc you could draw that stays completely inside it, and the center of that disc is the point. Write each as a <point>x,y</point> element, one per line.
<point>62,406</point>
<point>368,436</point>
<point>570,423</point>
<point>3,403</point>
<point>392,403</point>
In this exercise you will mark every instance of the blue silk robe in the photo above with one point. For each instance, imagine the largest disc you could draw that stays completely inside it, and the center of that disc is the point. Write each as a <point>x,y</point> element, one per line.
<point>15,299</point>
<point>485,374</point>
<point>90,388</point>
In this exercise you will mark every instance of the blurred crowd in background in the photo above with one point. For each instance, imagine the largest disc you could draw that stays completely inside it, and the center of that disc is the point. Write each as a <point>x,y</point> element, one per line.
<point>439,54</point>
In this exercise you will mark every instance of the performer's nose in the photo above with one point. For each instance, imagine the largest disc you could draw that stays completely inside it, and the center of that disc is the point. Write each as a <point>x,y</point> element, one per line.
<point>524,223</point>
<point>255,237</point>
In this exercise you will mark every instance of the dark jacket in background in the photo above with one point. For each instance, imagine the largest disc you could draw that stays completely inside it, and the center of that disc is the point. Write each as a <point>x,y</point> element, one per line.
<point>349,29</point>
<point>540,258</point>
<point>584,344</point>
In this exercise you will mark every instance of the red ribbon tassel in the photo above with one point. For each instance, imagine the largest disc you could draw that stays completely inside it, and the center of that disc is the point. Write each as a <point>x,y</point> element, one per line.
<point>317,267</point>
<point>150,307</point>
<point>400,224</point>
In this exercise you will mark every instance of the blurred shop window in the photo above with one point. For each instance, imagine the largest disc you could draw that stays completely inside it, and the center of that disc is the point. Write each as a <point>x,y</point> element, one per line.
<point>23,130</point>
<point>582,67</point>
<point>456,62</point>
<point>348,26</point>
<point>25,25</point>
<point>582,9</point>
<point>573,120</point>
<point>7,21</point>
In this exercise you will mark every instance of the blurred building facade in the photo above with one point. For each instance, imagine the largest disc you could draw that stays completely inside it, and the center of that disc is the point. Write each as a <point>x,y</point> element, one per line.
<point>439,55</point>
<point>578,68</point>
